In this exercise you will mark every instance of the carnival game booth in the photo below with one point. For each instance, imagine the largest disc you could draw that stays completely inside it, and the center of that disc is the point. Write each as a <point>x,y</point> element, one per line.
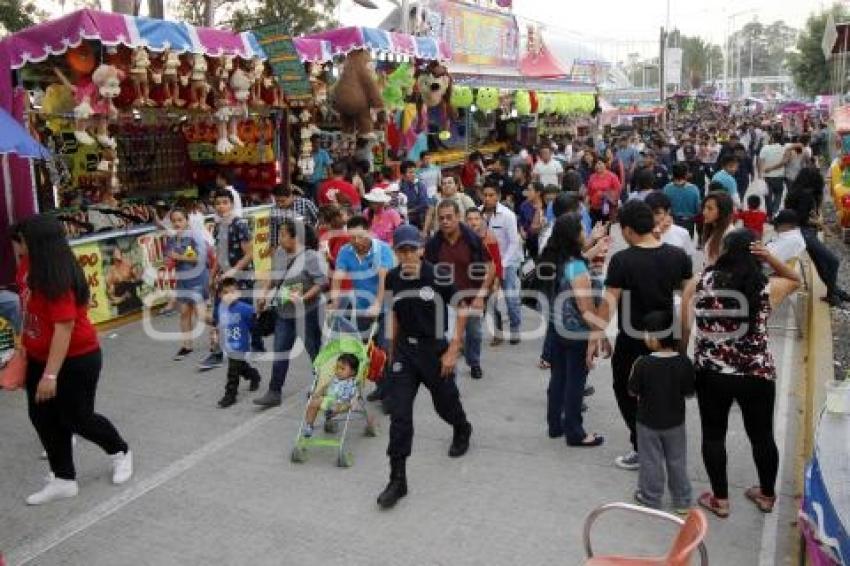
<point>143,109</point>
<point>839,177</point>
<point>376,89</point>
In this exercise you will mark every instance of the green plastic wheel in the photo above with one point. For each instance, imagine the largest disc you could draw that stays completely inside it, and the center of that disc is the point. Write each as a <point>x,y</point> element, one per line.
<point>298,455</point>
<point>345,460</point>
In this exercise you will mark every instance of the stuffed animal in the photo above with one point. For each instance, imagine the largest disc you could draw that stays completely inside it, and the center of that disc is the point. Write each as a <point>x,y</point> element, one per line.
<point>107,79</point>
<point>398,86</point>
<point>461,97</point>
<point>317,83</point>
<point>171,79</point>
<point>84,96</point>
<point>434,84</point>
<point>58,99</point>
<point>200,88</point>
<point>522,102</point>
<point>139,73</point>
<point>487,99</point>
<point>258,73</point>
<point>356,94</point>
<point>240,83</point>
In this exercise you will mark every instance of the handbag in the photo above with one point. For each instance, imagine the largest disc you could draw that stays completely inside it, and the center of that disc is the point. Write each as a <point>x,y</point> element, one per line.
<point>13,373</point>
<point>267,319</point>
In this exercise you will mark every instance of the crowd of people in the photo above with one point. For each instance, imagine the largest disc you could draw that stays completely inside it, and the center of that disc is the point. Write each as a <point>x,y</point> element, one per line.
<point>430,255</point>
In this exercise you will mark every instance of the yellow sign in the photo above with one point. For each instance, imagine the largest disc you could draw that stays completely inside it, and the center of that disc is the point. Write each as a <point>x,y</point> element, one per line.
<point>89,257</point>
<point>262,241</point>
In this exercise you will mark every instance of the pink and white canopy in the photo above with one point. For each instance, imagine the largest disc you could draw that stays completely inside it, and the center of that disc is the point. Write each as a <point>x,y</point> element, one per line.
<point>343,40</point>
<point>37,43</point>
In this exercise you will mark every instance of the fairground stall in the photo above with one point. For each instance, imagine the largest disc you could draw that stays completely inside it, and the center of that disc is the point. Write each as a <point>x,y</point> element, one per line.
<point>839,178</point>
<point>140,114</point>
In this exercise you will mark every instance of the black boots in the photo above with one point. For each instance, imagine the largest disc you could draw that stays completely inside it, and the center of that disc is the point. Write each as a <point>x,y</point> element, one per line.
<point>397,488</point>
<point>460,440</point>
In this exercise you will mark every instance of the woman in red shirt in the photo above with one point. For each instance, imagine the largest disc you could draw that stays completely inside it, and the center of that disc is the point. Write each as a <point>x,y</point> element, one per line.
<point>603,192</point>
<point>63,359</point>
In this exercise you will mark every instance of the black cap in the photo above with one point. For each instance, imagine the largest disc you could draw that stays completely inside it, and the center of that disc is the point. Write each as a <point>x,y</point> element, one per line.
<point>786,216</point>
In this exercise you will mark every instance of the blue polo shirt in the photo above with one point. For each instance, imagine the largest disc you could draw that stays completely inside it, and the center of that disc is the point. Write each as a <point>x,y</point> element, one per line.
<point>728,181</point>
<point>684,200</point>
<point>364,272</point>
<point>321,162</point>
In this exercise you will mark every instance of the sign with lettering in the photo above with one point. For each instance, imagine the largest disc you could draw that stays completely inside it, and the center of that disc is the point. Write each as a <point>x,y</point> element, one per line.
<point>89,258</point>
<point>477,36</point>
<point>285,62</point>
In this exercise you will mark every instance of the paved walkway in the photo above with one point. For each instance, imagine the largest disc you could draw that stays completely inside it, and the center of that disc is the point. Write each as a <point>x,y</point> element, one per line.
<point>216,487</point>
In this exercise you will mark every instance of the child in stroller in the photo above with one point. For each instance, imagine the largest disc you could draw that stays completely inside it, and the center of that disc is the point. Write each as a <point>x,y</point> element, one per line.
<point>336,395</point>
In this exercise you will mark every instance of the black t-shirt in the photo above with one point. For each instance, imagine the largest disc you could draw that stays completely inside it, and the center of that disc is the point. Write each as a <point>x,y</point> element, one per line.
<point>661,383</point>
<point>420,303</point>
<point>648,278</point>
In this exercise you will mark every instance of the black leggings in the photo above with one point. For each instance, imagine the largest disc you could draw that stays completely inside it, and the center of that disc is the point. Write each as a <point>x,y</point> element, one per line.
<point>70,412</point>
<point>755,396</point>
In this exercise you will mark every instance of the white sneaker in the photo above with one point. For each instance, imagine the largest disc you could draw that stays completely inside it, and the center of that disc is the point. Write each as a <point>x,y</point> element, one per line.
<point>53,490</point>
<point>122,467</point>
<point>628,462</point>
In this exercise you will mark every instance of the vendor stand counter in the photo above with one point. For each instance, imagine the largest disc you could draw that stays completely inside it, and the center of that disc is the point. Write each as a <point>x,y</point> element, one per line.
<point>826,495</point>
<point>127,269</point>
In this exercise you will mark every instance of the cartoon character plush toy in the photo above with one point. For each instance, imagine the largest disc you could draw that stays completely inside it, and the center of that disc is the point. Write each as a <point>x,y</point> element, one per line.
<point>200,88</point>
<point>355,95</point>
<point>240,83</point>
<point>139,71</point>
<point>487,99</point>
<point>107,79</point>
<point>462,97</point>
<point>398,86</point>
<point>434,84</point>
<point>58,99</point>
<point>171,79</point>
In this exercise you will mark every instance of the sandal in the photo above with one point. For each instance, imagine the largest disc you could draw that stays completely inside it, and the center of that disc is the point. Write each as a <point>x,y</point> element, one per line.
<point>763,502</point>
<point>713,504</point>
<point>589,441</point>
<point>543,364</point>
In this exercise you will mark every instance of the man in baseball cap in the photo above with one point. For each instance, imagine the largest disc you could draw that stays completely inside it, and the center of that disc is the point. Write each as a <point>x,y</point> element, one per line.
<point>421,355</point>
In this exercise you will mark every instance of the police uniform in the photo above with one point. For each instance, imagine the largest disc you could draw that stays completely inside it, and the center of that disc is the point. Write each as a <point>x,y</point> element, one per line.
<point>420,308</point>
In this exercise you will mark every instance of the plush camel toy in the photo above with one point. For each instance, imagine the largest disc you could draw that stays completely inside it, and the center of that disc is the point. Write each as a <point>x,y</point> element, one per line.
<point>356,94</point>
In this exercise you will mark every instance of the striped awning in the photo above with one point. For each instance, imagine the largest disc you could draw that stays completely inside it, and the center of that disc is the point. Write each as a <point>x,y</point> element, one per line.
<point>344,40</point>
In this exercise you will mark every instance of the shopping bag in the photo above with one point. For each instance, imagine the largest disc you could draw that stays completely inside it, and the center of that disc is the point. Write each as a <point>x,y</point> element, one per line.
<point>14,371</point>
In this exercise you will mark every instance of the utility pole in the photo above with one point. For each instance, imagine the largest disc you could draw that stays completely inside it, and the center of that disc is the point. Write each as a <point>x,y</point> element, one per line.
<point>661,78</point>
<point>209,13</point>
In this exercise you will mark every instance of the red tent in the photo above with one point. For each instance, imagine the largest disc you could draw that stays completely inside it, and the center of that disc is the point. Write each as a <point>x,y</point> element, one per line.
<point>542,65</point>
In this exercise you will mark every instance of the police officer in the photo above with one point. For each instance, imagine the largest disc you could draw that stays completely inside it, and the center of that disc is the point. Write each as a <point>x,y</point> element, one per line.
<point>420,355</point>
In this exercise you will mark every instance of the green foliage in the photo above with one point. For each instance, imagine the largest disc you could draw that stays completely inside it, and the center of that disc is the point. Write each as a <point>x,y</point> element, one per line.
<point>762,49</point>
<point>299,17</point>
<point>808,66</point>
<point>16,15</point>
<point>701,61</point>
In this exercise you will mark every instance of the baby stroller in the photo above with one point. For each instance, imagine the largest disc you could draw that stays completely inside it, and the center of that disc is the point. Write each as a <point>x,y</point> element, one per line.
<point>371,360</point>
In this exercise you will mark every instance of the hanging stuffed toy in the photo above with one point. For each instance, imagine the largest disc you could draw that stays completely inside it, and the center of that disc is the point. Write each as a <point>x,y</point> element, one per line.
<point>462,97</point>
<point>58,100</point>
<point>84,95</point>
<point>258,73</point>
<point>487,99</point>
<point>200,88</point>
<point>171,79</point>
<point>522,103</point>
<point>355,95</point>
<point>107,79</point>
<point>139,72</point>
<point>240,85</point>
<point>398,86</point>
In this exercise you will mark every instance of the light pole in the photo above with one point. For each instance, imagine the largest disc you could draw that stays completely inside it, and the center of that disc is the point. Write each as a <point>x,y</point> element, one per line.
<point>404,6</point>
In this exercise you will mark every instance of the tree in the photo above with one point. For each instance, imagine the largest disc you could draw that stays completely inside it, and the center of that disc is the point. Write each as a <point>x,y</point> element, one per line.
<point>297,16</point>
<point>761,50</point>
<point>701,61</point>
<point>16,15</point>
<point>808,66</point>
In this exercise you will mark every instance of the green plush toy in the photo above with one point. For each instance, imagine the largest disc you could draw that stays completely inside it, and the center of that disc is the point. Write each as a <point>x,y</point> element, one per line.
<point>522,103</point>
<point>487,99</point>
<point>399,82</point>
<point>462,97</point>
<point>546,103</point>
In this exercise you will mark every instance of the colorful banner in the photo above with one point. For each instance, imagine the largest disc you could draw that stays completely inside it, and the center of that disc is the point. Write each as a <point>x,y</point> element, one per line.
<point>475,35</point>
<point>285,61</point>
<point>261,228</point>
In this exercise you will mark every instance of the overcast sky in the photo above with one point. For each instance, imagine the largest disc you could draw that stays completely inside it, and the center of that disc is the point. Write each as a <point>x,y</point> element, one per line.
<point>615,28</point>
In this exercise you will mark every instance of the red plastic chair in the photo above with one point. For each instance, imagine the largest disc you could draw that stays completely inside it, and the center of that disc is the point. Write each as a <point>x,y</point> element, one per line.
<point>693,531</point>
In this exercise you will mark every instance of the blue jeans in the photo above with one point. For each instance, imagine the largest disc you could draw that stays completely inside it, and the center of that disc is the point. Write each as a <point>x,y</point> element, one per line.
<point>548,340</point>
<point>285,331</point>
<point>472,341</point>
<point>511,287</point>
<point>10,309</point>
<point>566,388</point>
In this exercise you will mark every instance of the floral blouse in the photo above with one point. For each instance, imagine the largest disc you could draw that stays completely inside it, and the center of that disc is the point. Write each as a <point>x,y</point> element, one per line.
<point>726,344</point>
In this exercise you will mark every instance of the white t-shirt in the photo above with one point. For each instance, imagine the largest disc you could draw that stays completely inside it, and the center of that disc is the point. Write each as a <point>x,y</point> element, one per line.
<point>548,172</point>
<point>787,245</point>
<point>679,237</point>
<point>771,155</point>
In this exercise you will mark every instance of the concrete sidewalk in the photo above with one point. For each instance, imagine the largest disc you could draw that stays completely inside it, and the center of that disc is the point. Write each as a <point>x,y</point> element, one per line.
<point>216,486</point>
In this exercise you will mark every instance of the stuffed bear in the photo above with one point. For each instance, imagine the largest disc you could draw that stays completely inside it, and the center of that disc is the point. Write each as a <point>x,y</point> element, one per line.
<point>356,94</point>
